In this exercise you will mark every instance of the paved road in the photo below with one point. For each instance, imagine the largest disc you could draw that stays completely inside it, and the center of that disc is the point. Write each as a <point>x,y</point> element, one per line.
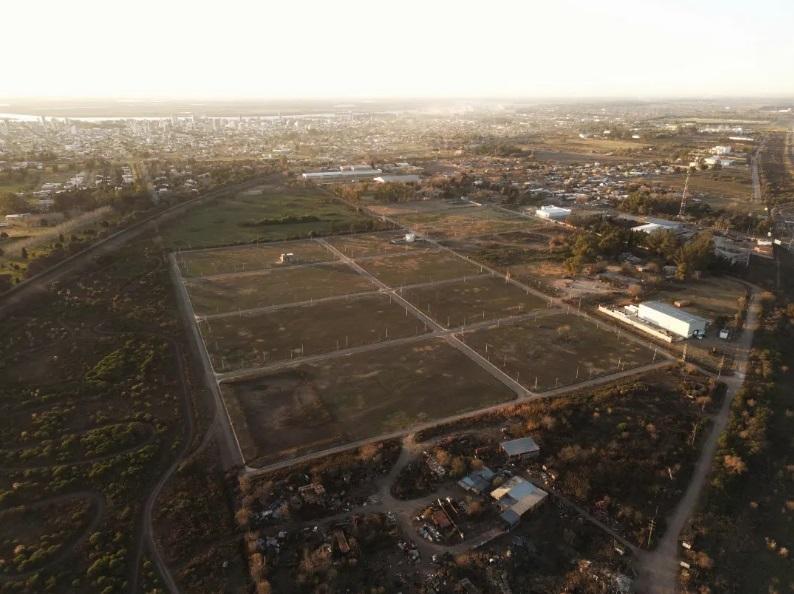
<point>659,569</point>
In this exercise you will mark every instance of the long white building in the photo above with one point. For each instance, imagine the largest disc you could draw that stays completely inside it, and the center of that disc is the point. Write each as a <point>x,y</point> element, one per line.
<point>674,320</point>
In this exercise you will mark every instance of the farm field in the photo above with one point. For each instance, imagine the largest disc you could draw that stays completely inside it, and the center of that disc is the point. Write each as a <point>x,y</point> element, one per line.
<point>467,222</point>
<point>413,269</point>
<point>275,287</point>
<point>375,244</point>
<point>253,257</point>
<point>551,348</point>
<point>315,406</point>
<point>254,339</point>
<point>272,213</point>
<point>465,302</point>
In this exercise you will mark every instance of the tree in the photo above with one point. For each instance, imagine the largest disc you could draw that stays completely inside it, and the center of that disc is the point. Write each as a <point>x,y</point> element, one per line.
<point>10,203</point>
<point>662,242</point>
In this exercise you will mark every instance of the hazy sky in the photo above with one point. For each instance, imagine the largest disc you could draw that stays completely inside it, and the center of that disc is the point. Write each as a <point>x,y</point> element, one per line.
<point>437,48</point>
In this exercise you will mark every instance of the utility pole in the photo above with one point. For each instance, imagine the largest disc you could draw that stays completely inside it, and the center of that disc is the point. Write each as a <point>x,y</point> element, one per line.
<point>683,195</point>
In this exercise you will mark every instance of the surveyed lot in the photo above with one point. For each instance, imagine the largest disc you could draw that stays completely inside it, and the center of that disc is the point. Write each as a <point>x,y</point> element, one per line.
<point>450,224</point>
<point>274,287</point>
<point>252,257</point>
<point>315,406</point>
<point>257,339</point>
<point>375,244</point>
<point>474,300</point>
<point>268,213</point>
<point>412,269</point>
<point>557,350</point>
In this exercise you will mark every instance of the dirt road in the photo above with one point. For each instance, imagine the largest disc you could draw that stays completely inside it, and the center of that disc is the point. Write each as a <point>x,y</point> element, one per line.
<point>659,568</point>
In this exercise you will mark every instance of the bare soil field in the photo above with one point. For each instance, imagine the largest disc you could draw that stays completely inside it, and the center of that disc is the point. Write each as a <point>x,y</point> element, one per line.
<point>275,287</point>
<point>255,339</point>
<point>471,301</point>
<point>709,297</point>
<point>252,257</point>
<point>374,244</point>
<point>553,350</point>
<point>412,269</point>
<point>316,406</point>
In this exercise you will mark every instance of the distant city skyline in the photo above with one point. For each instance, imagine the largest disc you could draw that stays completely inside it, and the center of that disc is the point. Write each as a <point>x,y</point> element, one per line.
<point>351,49</point>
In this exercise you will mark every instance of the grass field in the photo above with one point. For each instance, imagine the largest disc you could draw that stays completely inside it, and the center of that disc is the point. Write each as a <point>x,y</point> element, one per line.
<point>255,339</point>
<point>729,189</point>
<point>467,222</point>
<point>312,407</point>
<point>275,287</point>
<point>481,298</point>
<point>553,347</point>
<point>412,269</point>
<point>375,244</point>
<point>254,257</point>
<point>254,216</point>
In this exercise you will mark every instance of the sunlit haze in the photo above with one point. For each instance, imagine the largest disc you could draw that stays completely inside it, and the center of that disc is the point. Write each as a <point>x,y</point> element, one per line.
<point>570,48</point>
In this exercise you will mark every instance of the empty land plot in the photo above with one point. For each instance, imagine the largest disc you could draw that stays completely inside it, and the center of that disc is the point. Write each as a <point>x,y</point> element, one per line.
<point>311,407</point>
<point>552,348</point>
<point>467,222</point>
<point>472,301</point>
<point>275,287</point>
<point>255,339</point>
<point>710,297</point>
<point>730,188</point>
<point>413,269</point>
<point>375,244</point>
<point>417,206</point>
<point>275,213</point>
<point>251,257</point>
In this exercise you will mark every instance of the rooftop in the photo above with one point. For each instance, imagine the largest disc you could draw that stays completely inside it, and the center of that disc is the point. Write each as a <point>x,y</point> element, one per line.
<point>520,446</point>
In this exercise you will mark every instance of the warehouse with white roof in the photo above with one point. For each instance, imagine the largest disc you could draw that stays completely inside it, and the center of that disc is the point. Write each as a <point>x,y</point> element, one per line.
<point>674,320</point>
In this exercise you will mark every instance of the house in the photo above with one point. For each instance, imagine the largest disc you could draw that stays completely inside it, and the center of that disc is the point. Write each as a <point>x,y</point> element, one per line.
<point>524,447</point>
<point>516,497</point>
<point>478,481</point>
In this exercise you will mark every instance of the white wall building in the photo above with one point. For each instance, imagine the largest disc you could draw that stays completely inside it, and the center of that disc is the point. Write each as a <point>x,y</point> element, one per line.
<point>672,319</point>
<point>553,213</point>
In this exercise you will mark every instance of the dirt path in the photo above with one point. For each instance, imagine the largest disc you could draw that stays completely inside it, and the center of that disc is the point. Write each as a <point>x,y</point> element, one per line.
<point>21,294</point>
<point>659,569</point>
<point>97,501</point>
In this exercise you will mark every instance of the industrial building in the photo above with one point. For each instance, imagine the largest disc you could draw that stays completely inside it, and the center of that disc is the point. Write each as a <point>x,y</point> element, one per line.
<point>344,173</point>
<point>553,213</point>
<point>656,225</point>
<point>660,320</point>
<point>516,497</point>
<point>406,178</point>
<point>679,322</point>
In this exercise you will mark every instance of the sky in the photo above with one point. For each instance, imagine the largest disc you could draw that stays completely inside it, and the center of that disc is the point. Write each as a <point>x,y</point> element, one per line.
<point>281,49</point>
